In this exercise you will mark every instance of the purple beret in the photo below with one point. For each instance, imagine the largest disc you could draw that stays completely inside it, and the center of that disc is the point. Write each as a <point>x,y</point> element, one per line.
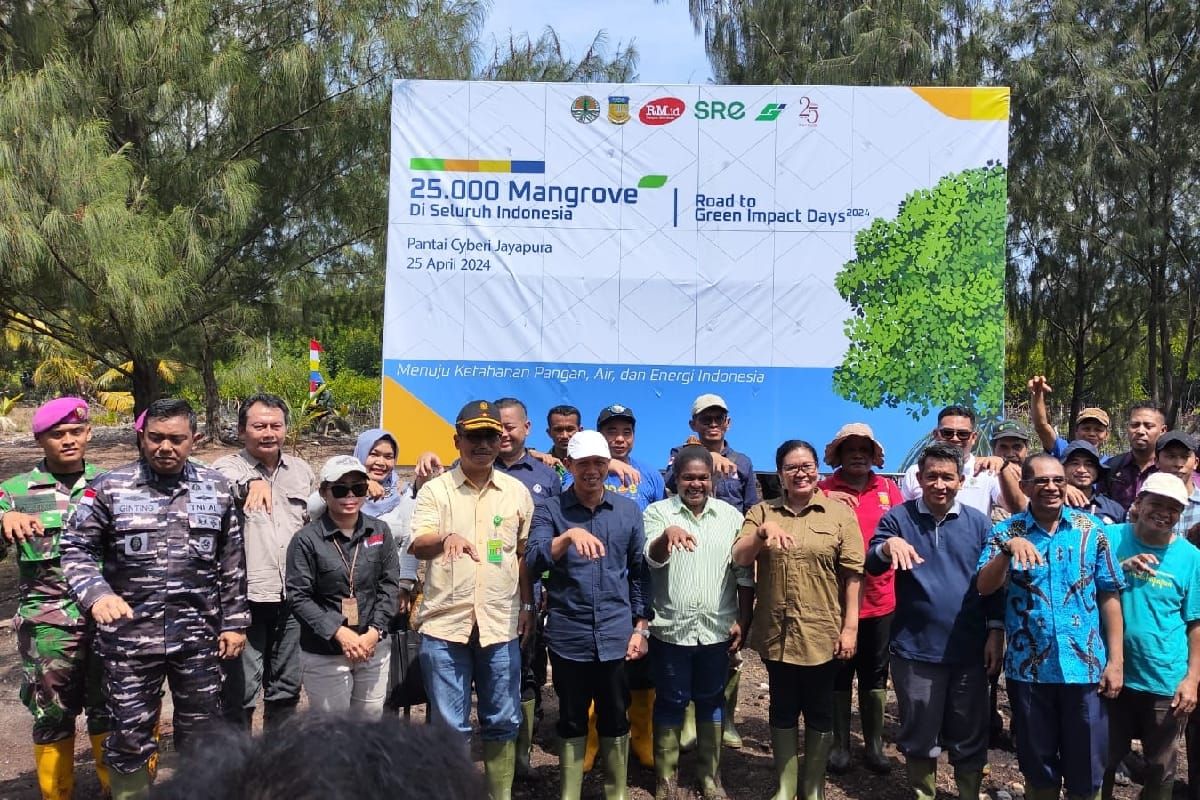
<point>58,411</point>
<point>139,424</point>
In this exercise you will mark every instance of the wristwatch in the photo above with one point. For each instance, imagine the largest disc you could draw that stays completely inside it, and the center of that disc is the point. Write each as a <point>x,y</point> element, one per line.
<point>642,632</point>
<point>527,606</point>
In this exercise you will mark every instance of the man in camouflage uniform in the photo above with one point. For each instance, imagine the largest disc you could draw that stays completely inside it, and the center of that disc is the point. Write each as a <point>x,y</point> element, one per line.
<point>170,599</point>
<point>60,676</point>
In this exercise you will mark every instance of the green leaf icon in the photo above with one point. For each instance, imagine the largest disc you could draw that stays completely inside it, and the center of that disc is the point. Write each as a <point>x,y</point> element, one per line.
<point>652,182</point>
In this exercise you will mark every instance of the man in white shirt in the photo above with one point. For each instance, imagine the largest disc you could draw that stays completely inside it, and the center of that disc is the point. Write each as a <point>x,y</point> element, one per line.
<point>980,487</point>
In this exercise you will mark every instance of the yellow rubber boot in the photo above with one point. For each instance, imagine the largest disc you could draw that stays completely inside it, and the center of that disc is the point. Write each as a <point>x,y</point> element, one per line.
<point>593,742</point>
<point>641,726</point>
<point>101,765</point>
<point>56,769</point>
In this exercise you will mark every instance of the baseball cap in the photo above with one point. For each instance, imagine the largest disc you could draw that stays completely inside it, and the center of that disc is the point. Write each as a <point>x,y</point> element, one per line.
<point>1081,445</point>
<point>708,401</point>
<point>339,466</point>
<point>615,411</point>
<point>1175,437</point>
<point>1091,412</point>
<point>847,431</point>
<point>588,444</point>
<point>1008,429</point>
<point>1167,485</point>
<point>478,415</point>
<point>71,410</point>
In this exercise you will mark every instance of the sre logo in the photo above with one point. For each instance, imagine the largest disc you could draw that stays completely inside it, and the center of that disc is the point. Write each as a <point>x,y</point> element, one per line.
<point>661,111</point>
<point>719,109</point>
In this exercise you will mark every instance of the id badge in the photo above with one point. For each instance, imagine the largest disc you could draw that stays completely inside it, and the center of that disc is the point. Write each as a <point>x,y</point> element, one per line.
<point>350,611</point>
<point>495,551</point>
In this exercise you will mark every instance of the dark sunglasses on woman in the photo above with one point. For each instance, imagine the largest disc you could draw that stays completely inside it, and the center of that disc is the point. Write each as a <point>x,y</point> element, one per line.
<point>340,490</point>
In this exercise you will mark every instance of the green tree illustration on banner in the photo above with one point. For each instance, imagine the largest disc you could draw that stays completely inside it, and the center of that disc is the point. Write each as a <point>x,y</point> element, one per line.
<point>927,293</point>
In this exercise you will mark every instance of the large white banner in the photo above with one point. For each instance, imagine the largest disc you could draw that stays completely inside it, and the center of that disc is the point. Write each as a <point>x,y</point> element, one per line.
<point>815,255</point>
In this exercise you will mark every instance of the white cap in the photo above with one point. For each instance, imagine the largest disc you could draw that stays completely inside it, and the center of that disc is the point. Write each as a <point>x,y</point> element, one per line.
<point>708,401</point>
<point>339,466</point>
<point>588,444</point>
<point>1164,484</point>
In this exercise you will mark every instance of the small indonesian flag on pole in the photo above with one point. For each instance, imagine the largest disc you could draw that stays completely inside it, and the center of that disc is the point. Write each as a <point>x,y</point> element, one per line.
<point>315,381</point>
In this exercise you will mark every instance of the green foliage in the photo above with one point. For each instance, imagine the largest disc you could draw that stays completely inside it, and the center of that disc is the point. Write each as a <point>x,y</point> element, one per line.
<point>287,376</point>
<point>357,393</point>
<point>354,348</point>
<point>926,290</point>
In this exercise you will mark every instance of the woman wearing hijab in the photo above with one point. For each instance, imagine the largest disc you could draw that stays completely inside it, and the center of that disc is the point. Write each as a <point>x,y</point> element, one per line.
<point>343,583</point>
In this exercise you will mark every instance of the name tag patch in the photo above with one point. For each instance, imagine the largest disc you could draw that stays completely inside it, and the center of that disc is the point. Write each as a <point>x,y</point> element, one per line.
<point>137,544</point>
<point>135,506</point>
<point>36,502</point>
<point>196,506</point>
<point>205,521</point>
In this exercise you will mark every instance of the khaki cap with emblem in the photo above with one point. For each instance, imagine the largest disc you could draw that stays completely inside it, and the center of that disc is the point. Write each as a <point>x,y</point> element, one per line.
<point>478,415</point>
<point>1098,414</point>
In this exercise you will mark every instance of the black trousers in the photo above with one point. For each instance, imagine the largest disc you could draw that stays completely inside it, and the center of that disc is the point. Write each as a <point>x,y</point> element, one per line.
<point>578,684</point>
<point>870,662</point>
<point>797,690</point>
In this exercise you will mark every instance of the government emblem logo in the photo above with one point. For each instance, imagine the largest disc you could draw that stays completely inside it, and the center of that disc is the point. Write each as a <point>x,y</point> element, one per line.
<point>618,109</point>
<point>585,109</point>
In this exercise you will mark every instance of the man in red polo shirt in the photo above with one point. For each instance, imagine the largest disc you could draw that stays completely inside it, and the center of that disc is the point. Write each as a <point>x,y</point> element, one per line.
<point>854,451</point>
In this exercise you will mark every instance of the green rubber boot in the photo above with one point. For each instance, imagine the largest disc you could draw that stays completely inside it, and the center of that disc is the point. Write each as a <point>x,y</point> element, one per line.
<point>969,783</point>
<point>666,763</point>
<point>922,777</point>
<point>708,760</point>
<point>615,753</point>
<point>132,786</point>
<point>525,741</point>
<point>871,707</point>
<point>817,745</point>
<point>784,744</point>
<point>729,734</point>
<point>499,764</point>
<point>570,767</point>
<point>687,737</point>
<point>839,756</point>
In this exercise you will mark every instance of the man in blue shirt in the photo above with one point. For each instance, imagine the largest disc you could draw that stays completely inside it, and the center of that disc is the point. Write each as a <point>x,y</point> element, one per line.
<point>946,637</point>
<point>1161,608</point>
<point>542,483</point>
<point>616,422</point>
<point>1091,424</point>
<point>1063,621</point>
<point>591,541</point>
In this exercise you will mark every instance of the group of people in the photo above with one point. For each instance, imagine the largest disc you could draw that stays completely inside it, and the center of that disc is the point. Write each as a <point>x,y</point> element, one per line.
<point>633,589</point>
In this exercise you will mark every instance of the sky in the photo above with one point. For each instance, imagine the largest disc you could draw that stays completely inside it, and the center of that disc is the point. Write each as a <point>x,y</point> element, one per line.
<point>668,49</point>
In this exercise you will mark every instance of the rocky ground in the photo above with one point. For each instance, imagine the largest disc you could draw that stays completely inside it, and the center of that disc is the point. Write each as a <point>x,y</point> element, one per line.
<point>747,773</point>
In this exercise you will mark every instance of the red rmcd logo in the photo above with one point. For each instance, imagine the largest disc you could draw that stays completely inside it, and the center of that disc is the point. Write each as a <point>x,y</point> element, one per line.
<point>661,111</point>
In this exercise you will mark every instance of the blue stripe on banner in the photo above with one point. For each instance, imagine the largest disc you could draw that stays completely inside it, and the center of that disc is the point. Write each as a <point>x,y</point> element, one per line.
<point>316,376</point>
<point>529,167</point>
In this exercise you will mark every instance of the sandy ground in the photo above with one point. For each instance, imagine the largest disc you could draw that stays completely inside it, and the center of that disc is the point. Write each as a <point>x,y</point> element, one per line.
<point>747,774</point>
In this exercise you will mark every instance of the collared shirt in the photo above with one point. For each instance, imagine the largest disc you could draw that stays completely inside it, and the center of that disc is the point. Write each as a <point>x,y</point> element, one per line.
<point>740,489</point>
<point>798,610</point>
<point>695,593</point>
<point>541,481</point>
<point>399,521</point>
<point>170,547</point>
<point>650,489</point>
<point>1125,479</point>
<point>268,532</point>
<point>465,594</point>
<point>1157,610</point>
<point>1190,515</point>
<point>44,598</point>
<point>980,491</point>
<point>940,616</point>
<point>1051,618</point>
<point>592,602</point>
<point>877,497</point>
<point>1105,509</point>
<point>319,559</point>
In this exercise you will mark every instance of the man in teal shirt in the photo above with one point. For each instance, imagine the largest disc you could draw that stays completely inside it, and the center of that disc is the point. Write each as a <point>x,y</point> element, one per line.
<point>1161,607</point>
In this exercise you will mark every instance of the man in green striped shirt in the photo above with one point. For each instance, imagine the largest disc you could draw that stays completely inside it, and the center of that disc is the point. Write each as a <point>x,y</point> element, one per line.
<point>696,622</point>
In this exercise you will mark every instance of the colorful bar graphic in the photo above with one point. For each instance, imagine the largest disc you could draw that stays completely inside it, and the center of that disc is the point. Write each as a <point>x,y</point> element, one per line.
<point>476,165</point>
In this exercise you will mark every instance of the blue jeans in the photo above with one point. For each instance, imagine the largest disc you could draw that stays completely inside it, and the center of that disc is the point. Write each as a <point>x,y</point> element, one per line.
<point>685,674</point>
<point>450,668</point>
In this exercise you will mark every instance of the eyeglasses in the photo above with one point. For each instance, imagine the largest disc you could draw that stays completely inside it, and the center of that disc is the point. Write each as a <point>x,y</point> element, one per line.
<point>955,433</point>
<point>1043,481</point>
<point>711,419</point>
<point>340,490</point>
<point>792,469</point>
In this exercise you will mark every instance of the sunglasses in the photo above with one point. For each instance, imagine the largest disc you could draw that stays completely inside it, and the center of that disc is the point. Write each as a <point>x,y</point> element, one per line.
<point>1042,482</point>
<point>340,490</point>
<point>954,433</point>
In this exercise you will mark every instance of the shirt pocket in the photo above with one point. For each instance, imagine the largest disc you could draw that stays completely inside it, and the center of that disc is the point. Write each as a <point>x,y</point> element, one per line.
<point>137,537</point>
<point>818,547</point>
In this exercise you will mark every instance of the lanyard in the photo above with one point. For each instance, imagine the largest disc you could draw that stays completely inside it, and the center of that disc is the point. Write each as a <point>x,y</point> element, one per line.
<point>354,561</point>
